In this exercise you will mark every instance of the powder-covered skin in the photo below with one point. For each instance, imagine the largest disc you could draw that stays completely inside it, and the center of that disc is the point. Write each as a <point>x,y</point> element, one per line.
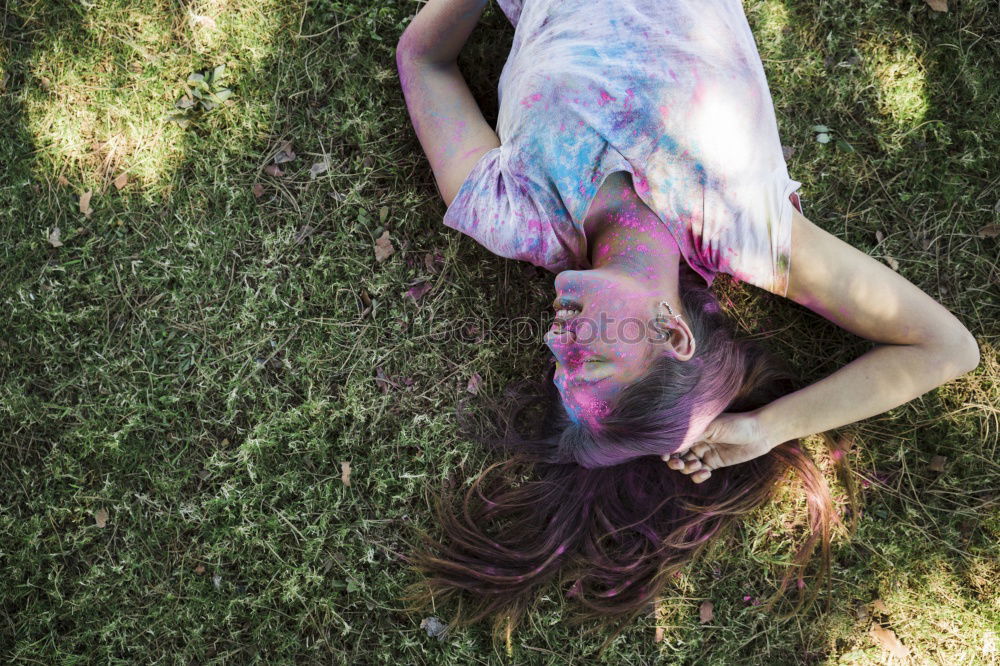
<point>672,92</point>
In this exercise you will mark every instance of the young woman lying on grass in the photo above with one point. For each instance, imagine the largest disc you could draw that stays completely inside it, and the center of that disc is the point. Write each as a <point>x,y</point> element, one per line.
<point>636,155</point>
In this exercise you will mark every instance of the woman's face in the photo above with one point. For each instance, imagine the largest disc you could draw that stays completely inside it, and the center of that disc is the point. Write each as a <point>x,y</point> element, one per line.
<point>605,335</point>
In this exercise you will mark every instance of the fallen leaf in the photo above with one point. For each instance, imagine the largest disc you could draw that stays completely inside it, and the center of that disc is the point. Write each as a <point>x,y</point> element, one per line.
<point>474,383</point>
<point>217,581</point>
<point>990,231</point>
<point>204,21</point>
<point>893,264</point>
<point>383,213</point>
<point>879,607</point>
<point>938,5</point>
<point>101,517</point>
<point>121,181</point>
<point>274,171</point>
<point>418,290</point>
<point>285,153</point>
<point>658,636</point>
<point>434,627</point>
<point>937,464</point>
<point>787,152</point>
<point>705,611</point>
<point>302,234</point>
<point>61,181</point>
<point>383,247</point>
<point>823,137</point>
<point>345,472</point>
<point>887,639</point>
<point>383,380</point>
<point>200,569</point>
<point>85,203</point>
<point>54,237</point>
<point>258,190</point>
<point>879,236</point>
<point>318,169</point>
<point>432,262</point>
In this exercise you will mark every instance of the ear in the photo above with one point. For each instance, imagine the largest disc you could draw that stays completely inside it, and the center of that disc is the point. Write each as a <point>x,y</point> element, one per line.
<point>680,340</point>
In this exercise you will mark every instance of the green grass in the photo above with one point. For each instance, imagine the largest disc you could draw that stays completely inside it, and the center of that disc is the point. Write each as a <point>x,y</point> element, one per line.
<point>197,362</point>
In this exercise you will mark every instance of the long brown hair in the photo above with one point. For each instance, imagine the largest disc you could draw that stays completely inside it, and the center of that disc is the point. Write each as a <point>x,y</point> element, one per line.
<point>594,510</point>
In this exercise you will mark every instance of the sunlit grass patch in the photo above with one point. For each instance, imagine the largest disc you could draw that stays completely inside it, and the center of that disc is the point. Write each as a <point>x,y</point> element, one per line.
<point>104,80</point>
<point>899,79</point>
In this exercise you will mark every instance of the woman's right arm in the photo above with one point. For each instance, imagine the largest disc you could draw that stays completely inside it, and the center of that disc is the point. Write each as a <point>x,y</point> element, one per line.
<point>448,122</point>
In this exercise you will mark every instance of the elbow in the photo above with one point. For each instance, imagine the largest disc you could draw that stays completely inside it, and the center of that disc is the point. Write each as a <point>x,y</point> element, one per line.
<point>972,357</point>
<point>963,352</point>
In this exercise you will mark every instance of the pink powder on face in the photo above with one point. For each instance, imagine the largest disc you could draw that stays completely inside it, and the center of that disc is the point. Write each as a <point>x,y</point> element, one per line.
<point>605,98</point>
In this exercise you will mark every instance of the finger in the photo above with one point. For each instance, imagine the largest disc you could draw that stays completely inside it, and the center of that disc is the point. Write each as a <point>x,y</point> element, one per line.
<point>701,449</point>
<point>692,466</point>
<point>701,475</point>
<point>675,463</point>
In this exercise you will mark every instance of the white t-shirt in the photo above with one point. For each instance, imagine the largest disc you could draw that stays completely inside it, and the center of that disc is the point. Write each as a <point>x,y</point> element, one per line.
<point>672,91</point>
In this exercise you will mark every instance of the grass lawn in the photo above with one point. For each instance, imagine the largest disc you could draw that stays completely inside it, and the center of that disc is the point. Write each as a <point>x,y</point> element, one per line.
<point>186,365</point>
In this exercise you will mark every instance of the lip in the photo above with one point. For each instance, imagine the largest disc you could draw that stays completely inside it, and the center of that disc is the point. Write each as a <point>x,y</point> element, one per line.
<point>564,303</point>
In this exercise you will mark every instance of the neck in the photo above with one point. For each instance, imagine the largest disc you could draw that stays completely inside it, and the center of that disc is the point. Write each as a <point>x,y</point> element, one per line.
<point>631,239</point>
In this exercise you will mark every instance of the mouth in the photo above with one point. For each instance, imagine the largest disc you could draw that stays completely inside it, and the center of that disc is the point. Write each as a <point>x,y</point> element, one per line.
<point>566,310</point>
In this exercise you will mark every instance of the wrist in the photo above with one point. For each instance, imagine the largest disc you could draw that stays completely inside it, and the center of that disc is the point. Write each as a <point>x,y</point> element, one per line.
<point>773,425</point>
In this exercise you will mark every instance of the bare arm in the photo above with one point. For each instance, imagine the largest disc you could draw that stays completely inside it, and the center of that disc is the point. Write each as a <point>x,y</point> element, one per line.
<point>440,29</point>
<point>445,116</point>
<point>922,346</point>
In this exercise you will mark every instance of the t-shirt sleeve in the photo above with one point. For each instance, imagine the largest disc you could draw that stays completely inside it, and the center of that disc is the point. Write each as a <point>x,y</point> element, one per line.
<point>511,9</point>
<point>504,211</point>
<point>755,242</point>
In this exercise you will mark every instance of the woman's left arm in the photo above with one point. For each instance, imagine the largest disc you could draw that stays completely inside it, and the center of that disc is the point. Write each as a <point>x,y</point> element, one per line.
<point>923,346</point>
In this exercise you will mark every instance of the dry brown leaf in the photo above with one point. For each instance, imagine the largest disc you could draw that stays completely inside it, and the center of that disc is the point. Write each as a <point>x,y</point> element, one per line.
<point>938,5</point>
<point>200,569</point>
<point>304,232</point>
<point>345,472</point>
<point>85,203</point>
<point>274,171</point>
<point>382,380</point>
<point>705,612</point>
<point>61,181</point>
<point>417,291</point>
<point>990,231</point>
<point>318,169</point>
<point>54,237</point>
<point>937,464</point>
<point>473,385</point>
<point>120,182</point>
<point>658,636</point>
<point>206,22</point>
<point>879,607</point>
<point>258,190</point>
<point>101,517</point>
<point>893,264</point>
<point>285,153</point>
<point>383,247</point>
<point>887,639</point>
